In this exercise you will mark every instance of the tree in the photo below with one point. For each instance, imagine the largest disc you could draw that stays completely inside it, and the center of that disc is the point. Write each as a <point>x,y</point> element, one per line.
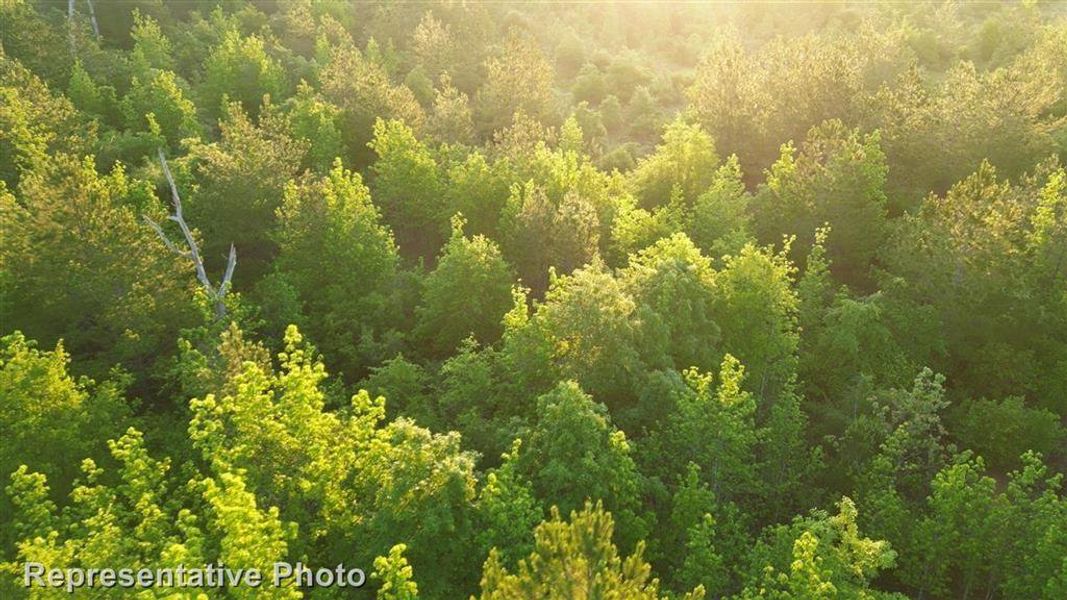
<point>395,574</point>
<point>673,286</point>
<point>586,329</point>
<point>363,92</point>
<point>720,222</point>
<point>407,185</point>
<point>68,271</point>
<point>240,70</point>
<point>359,481</point>
<point>139,518</point>
<point>518,78</point>
<point>542,231</point>
<point>969,255</point>
<point>755,308</point>
<point>838,178</point>
<point>1002,431</point>
<point>242,178</point>
<point>686,159</point>
<point>159,94</point>
<point>450,121</point>
<point>37,124</point>
<point>574,560</point>
<point>315,121</point>
<point>829,558</point>
<point>333,221</point>
<point>573,454</point>
<point>48,418</point>
<point>466,294</point>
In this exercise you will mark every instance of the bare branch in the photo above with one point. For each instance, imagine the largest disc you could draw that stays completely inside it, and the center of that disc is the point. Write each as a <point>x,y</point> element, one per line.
<point>231,262</point>
<point>163,236</point>
<point>92,19</point>
<point>217,294</point>
<point>178,218</point>
<point>70,27</point>
<point>175,199</point>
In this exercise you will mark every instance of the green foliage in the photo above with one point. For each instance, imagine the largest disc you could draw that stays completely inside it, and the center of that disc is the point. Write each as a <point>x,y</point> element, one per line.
<point>755,309</point>
<point>727,458</point>
<point>518,78</point>
<point>819,557</point>
<point>47,418</point>
<point>242,178</point>
<point>1006,429</point>
<point>838,179</point>
<point>36,123</point>
<point>316,122</point>
<point>395,574</point>
<point>704,261</point>
<point>407,185</point>
<point>314,217</point>
<point>971,253</point>
<point>450,120</point>
<point>686,159</point>
<point>240,70</point>
<point>674,286</point>
<point>572,454</point>
<point>361,89</point>
<point>160,95</point>
<point>466,294</point>
<point>575,560</point>
<point>69,275</point>
<point>357,480</point>
<point>542,232</point>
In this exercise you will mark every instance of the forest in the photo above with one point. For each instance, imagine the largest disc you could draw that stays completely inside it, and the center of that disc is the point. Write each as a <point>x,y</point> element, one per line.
<point>554,301</point>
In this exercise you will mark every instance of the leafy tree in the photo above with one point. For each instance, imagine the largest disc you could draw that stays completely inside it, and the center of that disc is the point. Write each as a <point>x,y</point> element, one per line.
<point>518,77</point>
<point>1001,431</point>
<point>363,92</point>
<point>479,189</point>
<point>151,48</point>
<point>589,85</point>
<point>68,273</point>
<point>466,294</point>
<point>47,417</point>
<point>673,286</point>
<point>686,159</point>
<point>950,254</point>
<point>159,94</point>
<point>395,573</point>
<point>450,120</point>
<point>140,519</point>
<point>574,560</point>
<point>829,558</point>
<point>755,308</point>
<point>242,178</point>
<point>359,481</point>
<point>36,123</point>
<point>333,221</point>
<point>542,233</point>
<point>315,121</point>
<point>719,222</point>
<point>586,329</point>
<point>838,178</point>
<point>572,453</point>
<point>407,185</point>
<point>240,70</point>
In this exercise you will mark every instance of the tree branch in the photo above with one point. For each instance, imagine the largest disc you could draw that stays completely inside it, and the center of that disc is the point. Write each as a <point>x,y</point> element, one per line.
<point>92,19</point>
<point>193,254</point>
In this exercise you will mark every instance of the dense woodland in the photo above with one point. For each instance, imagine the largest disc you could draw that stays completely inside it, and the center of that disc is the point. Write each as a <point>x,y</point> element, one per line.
<point>554,301</point>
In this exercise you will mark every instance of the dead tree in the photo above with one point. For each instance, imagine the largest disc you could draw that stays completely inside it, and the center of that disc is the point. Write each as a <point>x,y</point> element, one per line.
<point>92,19</point>
<point>71,25</point>
<point>216,294</point>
